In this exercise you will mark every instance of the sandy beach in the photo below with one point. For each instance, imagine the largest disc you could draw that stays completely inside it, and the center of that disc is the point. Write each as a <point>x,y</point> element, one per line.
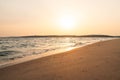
<point>98,61</point>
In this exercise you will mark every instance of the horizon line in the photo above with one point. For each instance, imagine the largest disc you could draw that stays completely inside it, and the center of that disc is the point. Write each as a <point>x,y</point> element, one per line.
<point>89,35</point>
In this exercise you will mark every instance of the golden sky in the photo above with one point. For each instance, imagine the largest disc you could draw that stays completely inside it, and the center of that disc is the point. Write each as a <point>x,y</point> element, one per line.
<point>59,17</point>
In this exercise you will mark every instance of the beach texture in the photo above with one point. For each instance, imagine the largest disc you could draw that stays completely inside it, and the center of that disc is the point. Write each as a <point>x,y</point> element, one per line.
<point>98,61</point>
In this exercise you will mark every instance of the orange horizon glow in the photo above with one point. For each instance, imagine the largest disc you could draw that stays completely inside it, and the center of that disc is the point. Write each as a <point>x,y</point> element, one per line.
<point>59,17</point>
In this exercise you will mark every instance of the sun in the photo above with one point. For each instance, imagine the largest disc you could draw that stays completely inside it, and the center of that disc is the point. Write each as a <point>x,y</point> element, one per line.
<point>67,22</point>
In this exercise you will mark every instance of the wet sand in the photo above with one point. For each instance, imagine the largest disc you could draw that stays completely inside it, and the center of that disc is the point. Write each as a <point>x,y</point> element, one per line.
<point>98,61</point>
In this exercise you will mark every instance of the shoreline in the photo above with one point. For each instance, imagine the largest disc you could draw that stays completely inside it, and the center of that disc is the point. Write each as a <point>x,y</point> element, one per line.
<point>50,53</point>
<point>98,61</point>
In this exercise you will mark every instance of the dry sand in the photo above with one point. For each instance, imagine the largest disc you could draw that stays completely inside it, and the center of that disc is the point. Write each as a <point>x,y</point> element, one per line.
<point>98,61</point>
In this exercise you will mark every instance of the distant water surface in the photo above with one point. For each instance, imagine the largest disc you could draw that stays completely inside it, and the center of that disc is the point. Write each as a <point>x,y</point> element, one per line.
<point>14,48</point>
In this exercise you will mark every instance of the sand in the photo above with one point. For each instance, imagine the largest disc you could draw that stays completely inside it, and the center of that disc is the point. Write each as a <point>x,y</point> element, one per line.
<point>98,61</point>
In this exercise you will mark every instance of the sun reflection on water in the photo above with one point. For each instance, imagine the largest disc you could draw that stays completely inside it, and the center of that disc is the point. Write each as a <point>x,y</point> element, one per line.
<point>70,48</point>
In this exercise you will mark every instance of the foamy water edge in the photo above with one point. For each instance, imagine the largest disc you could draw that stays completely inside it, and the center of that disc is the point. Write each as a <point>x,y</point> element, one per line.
<point>33,57</point>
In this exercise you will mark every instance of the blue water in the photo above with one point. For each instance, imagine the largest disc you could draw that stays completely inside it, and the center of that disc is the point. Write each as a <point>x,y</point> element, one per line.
<point>14,48</point>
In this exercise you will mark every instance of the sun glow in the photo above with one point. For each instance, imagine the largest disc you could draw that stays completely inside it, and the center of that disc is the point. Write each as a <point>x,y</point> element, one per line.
<point>67,22</point>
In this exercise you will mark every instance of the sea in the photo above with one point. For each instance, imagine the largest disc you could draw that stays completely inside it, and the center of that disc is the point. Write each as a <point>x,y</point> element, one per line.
<point>15,48</point>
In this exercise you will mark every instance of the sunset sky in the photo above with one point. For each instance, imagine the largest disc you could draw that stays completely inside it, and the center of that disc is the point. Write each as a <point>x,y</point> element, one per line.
<point>59,17</point>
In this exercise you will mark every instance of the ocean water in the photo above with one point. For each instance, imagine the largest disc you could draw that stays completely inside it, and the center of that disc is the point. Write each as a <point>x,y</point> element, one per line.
<point>15,48</point>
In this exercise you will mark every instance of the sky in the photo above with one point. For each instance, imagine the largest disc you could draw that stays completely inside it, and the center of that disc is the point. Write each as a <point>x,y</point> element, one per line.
<point>59,17</point>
